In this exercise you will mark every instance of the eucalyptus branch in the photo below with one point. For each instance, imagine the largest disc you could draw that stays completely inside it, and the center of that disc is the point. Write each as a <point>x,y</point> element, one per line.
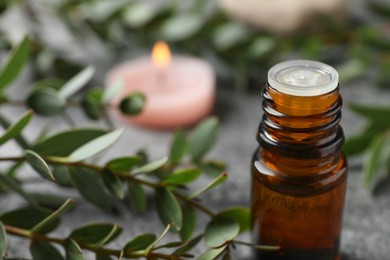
<point>101,250</point>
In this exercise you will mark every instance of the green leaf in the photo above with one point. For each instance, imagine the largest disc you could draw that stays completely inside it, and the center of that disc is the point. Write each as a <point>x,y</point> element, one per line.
<point>64,143</point>
<point>229,35</point>
<point>39,165</point>
<point>13,185</point>
<point>182,26</point>
<point>132,104</point>
<point>112,91</point>
<point>3,241</point>
<point>188,245</point>
<point>123,164</point>
<point>53,217</point>
<point>178,147</point>
<point>113,184</point>
<point>96,235</point>
<point>95,146</point>
<point>217,181</point>
<point>213,168</point>
<point>17,218</point>
<point>203,138</point>
<point>168,208</point>
<point>16,128</point>
<point>139,14</point>
<point>373,158</point>
<point>261,46</point>
<point>48,201</point>
<point>241,215</point>
<point>357,144</point>
<point>152,246</point>
<point>44,250</point>
<point>212,253</point>
<point>140,242</point>
<point>182,177</point>
<point>221,230</point>
<point>91,103</point>
<point>19,139</point>
<point>45,102</point>
<point>73,251</point>
<point>91,187</point>
<point>189,222</point>
<point>15,63</point>
<point>103,257</point>
<point>137,197</point>
<point>377,115</point>
<point>151,166</point>
<point>62,175</point>
<point>76,83</point>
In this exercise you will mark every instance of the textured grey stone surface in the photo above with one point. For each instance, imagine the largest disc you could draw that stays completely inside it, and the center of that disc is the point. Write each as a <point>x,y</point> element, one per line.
<point>366,230</point>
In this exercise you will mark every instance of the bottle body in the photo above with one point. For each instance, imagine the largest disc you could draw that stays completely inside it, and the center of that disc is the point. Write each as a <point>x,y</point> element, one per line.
<point>299,176</point>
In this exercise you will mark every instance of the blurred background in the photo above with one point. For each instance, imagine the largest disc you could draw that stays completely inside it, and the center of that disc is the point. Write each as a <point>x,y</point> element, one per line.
<point>241,40</point>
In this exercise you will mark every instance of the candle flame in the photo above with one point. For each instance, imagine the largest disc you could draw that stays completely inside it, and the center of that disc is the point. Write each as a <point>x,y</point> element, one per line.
<point>161,55</point>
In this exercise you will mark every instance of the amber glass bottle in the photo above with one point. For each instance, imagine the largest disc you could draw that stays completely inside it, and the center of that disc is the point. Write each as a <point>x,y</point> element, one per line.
<point>298,172</point>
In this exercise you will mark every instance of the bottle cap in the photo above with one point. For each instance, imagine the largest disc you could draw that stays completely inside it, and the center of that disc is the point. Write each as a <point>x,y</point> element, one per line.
<point>303,78</point>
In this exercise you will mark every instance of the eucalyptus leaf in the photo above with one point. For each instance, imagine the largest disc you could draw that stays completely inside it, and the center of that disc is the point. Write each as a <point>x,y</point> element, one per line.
<point>46,102</point>
<point>132,104</point>
<point>73,250</point>
<point>19,139</point>
<point>113,183</point>
<point>182,177</point>
<point>139,14</point>
<point>91,187</point>
<point>230,35</point>
<point>48,201</point>
<point>189,222</point>
<point>151,166</point>
<point>76,83</point>
<point>261,46</point>
<point>356,144</point>
<point>217,181</point>
<point>13,185</point>
<point>373,159</point>
<point>188,245</point>
<point>16,128</point>
<point>220,231</point>
<point>64,143</point>
<point>182,26</point>
<point>178,148</point>
<point>62,175</point>
<point>15,63</point>
<point>212,253</point>
<point>17,218</point>
<point>377,115</point>
<point>203,137</point>
<point>213,168</point>
<point>123,164</point>
<point>137,197</point>
<point>103,257</point>
<point>94,146</point>
<point>112,91</point>
<point>91,103</point>
<point>96,235</point>
<point>3,241</point>
<point>39,165</point>
<point>168,208</point>
<point>44,250</point>
<point>140,242</point>
<point>53,217</point>
<point>241,215</point>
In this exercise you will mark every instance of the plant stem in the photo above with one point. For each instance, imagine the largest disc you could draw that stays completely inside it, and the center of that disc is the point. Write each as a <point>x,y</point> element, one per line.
<point>34,236</point>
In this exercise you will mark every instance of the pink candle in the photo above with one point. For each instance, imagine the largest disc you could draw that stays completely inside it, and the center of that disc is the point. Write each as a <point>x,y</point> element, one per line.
<point>179,92</point>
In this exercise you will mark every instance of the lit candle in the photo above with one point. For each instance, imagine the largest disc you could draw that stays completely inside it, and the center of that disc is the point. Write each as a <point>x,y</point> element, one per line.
<point>179,90</point>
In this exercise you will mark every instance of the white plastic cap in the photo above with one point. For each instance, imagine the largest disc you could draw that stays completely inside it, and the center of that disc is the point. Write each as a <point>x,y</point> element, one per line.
<point>303,78</point>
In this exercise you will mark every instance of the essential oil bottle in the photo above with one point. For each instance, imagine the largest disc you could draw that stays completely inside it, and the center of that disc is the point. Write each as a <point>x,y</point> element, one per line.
<point>299,173</point>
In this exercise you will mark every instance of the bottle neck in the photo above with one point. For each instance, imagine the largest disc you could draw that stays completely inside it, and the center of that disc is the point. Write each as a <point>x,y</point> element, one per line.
<point>301,127</point>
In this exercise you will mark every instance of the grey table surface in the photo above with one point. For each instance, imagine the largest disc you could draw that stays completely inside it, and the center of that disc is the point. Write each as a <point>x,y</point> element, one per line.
<point>366,229</point>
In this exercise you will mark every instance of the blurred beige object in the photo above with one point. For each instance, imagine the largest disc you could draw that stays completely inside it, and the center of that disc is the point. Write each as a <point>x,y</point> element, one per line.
<point>283,16</point>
